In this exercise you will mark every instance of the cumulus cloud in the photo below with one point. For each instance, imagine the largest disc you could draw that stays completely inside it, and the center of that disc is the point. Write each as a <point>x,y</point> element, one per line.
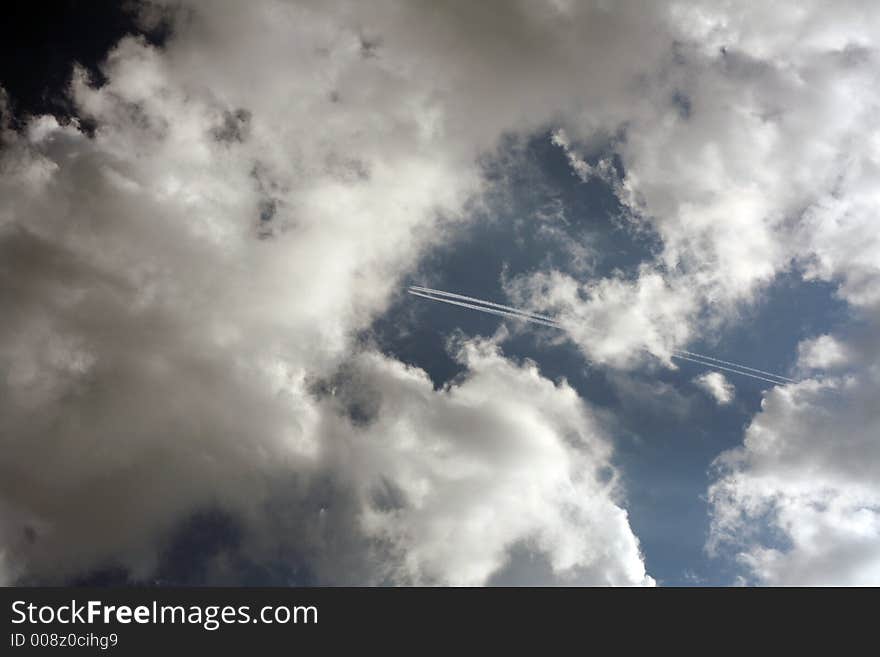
<point>500,458</point>
<point>751,151</point>
<point>744,151</point>
<point>797,503</point>
<point>179,284</point>
<point>613,320</point>
<point>800,476</point>
<point>717,386</point>
<point>806,478</point>
<point>823,353</point>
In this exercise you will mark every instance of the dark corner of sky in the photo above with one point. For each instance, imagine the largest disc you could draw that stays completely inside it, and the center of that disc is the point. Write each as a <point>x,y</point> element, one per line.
<point>43,41</point>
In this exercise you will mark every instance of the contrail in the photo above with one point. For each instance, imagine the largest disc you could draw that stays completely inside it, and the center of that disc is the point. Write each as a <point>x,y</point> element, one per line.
<point>515,313</point>
<point>728,369</point>
<point>691,355</point>
<point>503,313</point>
<point>752,369</point>
<point>441,293</point>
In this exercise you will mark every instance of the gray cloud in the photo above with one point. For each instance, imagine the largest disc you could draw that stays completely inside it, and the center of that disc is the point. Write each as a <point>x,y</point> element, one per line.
<point>160,342</point>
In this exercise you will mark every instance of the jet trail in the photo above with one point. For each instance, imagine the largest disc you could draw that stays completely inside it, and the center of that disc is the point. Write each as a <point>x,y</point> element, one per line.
<point>752,369</point>
<point>728,369</point>
<point>692,356</point>
<point>441,293</point>
<point>515,313</point>
<point>503,313</point>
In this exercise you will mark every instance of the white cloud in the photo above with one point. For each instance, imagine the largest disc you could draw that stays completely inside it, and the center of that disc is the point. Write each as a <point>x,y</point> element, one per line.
<point>772,162</point>
<point>175,286</point>
<point>499,458</point>
<point>612,320</point>
<point>718,387</point>
<point>255,191</point>
<point>746,149</point>
<point>798,502</point>
<point>768,159</point>
<point>824,352</point>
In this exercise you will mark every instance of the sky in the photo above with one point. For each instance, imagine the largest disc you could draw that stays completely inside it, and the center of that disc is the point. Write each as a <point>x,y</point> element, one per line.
<point>210,369</point>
